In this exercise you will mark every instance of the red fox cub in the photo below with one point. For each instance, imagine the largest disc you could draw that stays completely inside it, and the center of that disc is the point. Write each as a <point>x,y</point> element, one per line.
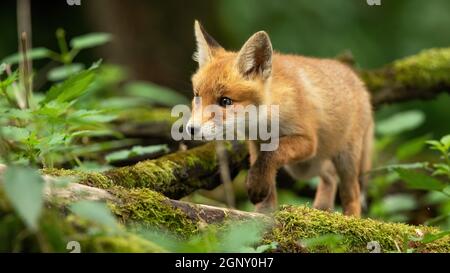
<point>325,117</point>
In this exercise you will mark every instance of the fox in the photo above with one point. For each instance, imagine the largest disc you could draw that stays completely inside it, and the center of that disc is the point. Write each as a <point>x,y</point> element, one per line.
<point>325,117</point>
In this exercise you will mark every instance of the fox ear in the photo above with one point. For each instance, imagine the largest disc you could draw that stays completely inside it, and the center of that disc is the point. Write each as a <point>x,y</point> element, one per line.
<point>206,45</point>
<point>255,56</point>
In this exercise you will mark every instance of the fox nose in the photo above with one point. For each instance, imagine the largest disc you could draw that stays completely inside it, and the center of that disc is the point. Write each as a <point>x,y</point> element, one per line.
<point>193,130</point>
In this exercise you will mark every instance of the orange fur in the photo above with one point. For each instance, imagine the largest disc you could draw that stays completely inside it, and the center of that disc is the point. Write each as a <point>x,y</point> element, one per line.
<point>325,116</point>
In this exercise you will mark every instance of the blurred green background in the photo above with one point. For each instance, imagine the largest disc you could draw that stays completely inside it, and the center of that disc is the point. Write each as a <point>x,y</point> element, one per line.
<point>154,41</point>
<point>156,37</point>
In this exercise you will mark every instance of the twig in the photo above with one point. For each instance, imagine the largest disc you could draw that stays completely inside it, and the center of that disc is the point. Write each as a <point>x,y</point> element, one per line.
<point>26,70</point>
<point>24,36</point>
<point>225,174</point>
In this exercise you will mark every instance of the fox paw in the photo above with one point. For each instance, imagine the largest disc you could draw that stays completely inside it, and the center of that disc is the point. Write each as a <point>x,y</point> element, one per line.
<point>257,189</point>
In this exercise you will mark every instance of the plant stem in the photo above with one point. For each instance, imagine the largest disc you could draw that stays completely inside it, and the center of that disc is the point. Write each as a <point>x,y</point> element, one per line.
<point>225,174</point>
<point>24,31</point>
<point>61,37</point>
<point>19,98</point>
<point>26,73</point>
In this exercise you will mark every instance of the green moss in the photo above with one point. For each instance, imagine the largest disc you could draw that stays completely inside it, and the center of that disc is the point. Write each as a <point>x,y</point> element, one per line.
<point>374,80</point>
<point>150,173</point>
<point>175,175</point>
<point>93,179</point>
<point>293,224</point>
<point>151,209</point>
<point>430,67</point>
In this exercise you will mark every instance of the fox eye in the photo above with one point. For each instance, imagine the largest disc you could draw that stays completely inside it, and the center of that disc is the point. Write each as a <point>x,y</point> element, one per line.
<point>224,101</point>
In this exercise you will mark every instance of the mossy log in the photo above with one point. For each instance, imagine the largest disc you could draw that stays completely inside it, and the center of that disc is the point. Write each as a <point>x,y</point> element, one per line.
<point>175,175</point>
<point>420,76</point>
<point>288,227</point>
<point>140,207</point>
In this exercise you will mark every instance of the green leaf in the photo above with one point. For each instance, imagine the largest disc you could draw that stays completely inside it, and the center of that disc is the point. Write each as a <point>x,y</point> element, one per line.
<point>409,166</point>
<point>429,238</point>
<point>446,141</point>
<point>24,188</point>
<point>434,198</point>
<point>400,122</point>
<point>2,68</point>
<point>95,133</point>
<point>332,241</point>
<point>15,133</point>
<point>441,169</point>
<point>57,139</point>
<point>155,93</point>
<point>96,212</point>
<point>33,54</point>
<point>22,114</point>
<point>136,151</point>
<point>420,181</point>
<point>434,143</point>
<point>9,80</point>
<point>91,116</point>
<point>267,247</point>
<point>62,72</point>
<point>446,190</point>
<point>118,156</point>
<point>241,235</point>
<point>72,88</point>
<point>398,203</point>
<point>411,148</point>
<point>53,109</point>
<point>90,40</point>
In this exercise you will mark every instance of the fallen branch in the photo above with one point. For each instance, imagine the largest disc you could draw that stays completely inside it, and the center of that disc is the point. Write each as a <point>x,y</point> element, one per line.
<point>175,175</point>
<point>420,76</point>
<point>288,227</point>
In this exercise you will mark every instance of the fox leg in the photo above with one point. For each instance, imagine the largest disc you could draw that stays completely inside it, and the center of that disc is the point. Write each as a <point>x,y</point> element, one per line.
<point>270,202</point>
<point>347,165</point>
<point>261,186</point>
<point>326,191</point>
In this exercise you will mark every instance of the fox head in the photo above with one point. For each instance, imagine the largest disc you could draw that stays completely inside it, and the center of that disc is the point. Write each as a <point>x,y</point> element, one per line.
<point>227,81</point>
